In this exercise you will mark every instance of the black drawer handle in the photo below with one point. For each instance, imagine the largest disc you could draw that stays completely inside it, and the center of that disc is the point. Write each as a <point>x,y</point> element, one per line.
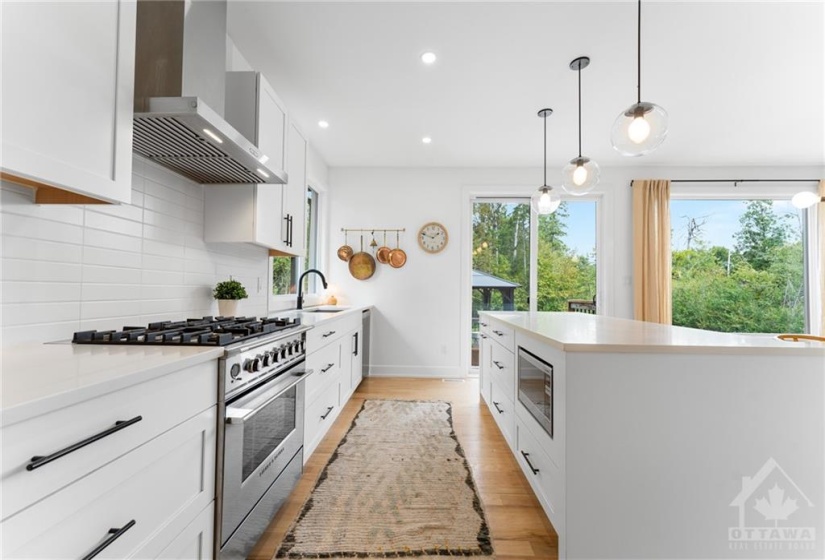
<point>529,464</point>
<point>495,404</point>
<point>326,369</point>
<point>483,324</point>
<point>330,333</point>
<point>498,333</point>
<point>38,461</point>
<point>329,409</point>
<point>114,534</point>
<point>498,364</point>
<point>484,336</point>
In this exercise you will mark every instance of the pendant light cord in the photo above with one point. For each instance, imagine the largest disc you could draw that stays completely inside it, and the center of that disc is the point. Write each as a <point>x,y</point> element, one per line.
<point>580,110</point>
<point>639,54</point>
<point>545,150</point>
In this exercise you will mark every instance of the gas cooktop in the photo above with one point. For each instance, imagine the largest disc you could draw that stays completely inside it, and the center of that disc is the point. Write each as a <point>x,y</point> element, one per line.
<point>206,331</point>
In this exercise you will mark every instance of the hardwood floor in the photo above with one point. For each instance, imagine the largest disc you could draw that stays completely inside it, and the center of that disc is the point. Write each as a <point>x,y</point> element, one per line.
<point>517,523</point>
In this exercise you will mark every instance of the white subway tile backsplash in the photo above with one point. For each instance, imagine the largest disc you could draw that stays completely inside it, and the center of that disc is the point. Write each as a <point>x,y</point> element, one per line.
<point>40,271</point>
<point>36,228</point>
<point>70,268</point>
<point>39,250</point>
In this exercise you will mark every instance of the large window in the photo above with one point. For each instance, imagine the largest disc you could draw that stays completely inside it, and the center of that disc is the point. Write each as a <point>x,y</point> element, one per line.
<point>739,265</point>
<point>286,270</point>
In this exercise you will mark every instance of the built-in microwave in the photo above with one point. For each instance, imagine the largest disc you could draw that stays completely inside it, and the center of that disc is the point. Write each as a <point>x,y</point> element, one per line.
<point>535,388</point>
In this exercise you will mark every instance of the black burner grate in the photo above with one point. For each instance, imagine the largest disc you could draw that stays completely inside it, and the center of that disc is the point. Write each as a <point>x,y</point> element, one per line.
<point>206,331</point>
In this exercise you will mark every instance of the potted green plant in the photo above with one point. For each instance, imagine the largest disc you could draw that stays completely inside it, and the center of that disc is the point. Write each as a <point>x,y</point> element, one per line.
<point>228,293</point>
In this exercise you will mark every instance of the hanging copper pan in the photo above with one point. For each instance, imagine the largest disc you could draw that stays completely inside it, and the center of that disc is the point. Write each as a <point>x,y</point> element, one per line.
<point>383,252</point>
<point>345,251</point>
<point>361,264</point>
<point>397,257</point>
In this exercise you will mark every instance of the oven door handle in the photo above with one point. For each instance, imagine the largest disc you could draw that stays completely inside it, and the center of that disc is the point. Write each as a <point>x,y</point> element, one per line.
<point>238,416</point>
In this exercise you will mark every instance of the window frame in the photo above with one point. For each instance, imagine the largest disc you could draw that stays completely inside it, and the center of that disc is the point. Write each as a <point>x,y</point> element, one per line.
<point>730,190</point>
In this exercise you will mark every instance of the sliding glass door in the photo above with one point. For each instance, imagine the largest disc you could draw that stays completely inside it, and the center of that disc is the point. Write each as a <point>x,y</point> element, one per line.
<point>524,262</point>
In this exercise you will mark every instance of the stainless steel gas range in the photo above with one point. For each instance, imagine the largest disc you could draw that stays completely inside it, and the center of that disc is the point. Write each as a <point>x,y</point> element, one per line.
<point>260,411</point>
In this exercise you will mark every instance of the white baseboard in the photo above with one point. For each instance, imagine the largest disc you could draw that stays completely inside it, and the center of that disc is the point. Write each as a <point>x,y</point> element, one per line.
<point>422,372</point>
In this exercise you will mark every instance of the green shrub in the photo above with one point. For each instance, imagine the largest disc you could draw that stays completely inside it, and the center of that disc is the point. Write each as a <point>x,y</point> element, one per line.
<point>229,289</point>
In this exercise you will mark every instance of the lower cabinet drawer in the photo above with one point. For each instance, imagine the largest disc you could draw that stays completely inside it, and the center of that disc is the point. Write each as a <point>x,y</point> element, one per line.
<point>544,475</point>
<point>501,407</point>
<point>148,409</point>
<point>503,369</point>
<point>168,481</point>
<point>320,415</point>
<point>325,365</point>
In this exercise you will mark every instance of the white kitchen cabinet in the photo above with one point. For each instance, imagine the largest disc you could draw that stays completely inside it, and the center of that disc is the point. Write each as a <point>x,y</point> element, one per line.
<point>67,98</point>
<point>485,347</point>
<point>331,355</point>
<point>270,215</point>
<point>158,471</point>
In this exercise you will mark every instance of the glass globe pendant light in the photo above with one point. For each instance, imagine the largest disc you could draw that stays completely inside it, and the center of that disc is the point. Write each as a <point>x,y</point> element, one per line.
<point>642,127</point>
<point>544,201</point>
<point>581,174</point>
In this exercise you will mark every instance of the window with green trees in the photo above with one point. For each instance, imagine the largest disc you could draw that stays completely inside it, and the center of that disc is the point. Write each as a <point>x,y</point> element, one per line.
<point>738,265</point>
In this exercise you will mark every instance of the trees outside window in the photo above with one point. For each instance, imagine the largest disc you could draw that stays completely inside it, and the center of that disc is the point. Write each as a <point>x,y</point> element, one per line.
<point>738,266</point>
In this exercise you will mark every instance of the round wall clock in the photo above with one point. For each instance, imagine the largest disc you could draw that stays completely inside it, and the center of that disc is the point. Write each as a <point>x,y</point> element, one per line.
<point>432,237</point>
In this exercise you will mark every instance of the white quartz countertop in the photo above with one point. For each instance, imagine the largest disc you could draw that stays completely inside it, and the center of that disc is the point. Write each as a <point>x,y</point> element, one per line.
<point>312,316</point>
<point>39,378</point>
<point>581,332</point>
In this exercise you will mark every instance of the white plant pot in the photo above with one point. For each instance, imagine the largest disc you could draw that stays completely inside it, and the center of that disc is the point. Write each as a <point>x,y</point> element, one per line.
<point>227,307</point>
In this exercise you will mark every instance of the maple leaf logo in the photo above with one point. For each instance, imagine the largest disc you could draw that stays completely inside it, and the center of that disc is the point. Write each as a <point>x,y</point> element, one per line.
<point>776,508</point>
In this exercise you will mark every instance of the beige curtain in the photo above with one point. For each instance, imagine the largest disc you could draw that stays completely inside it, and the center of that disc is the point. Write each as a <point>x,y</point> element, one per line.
<point>820,219</point>
<point>651,251</point>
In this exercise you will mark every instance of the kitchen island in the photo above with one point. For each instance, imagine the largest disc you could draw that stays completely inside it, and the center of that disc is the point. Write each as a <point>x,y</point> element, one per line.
<point>662,442</point>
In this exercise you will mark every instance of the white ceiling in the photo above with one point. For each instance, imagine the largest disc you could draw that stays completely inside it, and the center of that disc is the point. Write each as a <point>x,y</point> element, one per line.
<point>743,82</point>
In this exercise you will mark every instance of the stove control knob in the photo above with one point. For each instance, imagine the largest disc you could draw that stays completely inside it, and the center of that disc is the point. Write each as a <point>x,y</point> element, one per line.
<point>266,359</point>
<point>289,349</point>
<point>252,365</point>
<point>235,371</point>
<point>297,346</point>
<point>282,351</point>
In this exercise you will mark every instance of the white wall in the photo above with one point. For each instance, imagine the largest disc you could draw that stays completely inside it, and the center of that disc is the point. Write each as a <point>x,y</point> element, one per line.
<point>419,314</point>
<point>67,268</point>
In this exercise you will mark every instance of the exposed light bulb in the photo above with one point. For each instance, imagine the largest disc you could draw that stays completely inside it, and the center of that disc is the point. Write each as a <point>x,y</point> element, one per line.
<point>545,203</point>
<point>805,199</point>
<point>639,130</point>
<point>580,175</point>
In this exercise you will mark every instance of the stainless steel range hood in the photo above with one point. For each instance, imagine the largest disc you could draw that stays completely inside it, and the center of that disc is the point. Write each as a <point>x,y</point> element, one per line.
<point>180,76</point>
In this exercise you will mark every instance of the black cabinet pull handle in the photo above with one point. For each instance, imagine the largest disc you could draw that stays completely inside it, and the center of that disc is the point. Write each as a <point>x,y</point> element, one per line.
<point>355,352</point>
<point>291,233</point>
<point>529,464</point>
<point>330,333</point>
<point>498,365</point>
<point>329,409</point>
<point>326,369</point>
<point>498,333</point>
<point>484,336</point>
<point>483,324</point>
<point>40,460</point>
<point>495,404</point>
<point>114,534</point>
<point>286,239</point>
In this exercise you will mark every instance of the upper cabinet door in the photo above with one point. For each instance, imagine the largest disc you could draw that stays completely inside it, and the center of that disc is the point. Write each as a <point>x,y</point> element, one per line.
<point>272,126</point>
<point>295,191</point>
<point>67,95</point>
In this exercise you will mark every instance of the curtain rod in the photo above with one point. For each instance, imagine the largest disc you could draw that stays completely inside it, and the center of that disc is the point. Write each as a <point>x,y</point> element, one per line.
<point>737,181</point>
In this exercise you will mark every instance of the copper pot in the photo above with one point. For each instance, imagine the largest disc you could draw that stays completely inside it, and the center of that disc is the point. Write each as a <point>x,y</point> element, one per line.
<point>361,264</point>
<point>397,257</point>
<point>383,252</point>
<point>345,251</point>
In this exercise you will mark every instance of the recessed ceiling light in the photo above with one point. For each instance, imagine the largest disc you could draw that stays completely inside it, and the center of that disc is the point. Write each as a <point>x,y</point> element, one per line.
<point>323,124</point>
<point>428,57</point>
<point>427,140</point>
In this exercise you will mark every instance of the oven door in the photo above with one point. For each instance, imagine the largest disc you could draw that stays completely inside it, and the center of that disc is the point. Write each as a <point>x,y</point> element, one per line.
<point>264,429</point>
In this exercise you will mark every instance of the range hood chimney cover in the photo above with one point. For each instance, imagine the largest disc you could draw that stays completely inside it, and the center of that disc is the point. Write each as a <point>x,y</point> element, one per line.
<point>179,72</point>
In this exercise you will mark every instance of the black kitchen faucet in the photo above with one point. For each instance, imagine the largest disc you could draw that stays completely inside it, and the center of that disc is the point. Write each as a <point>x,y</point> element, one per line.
<point>301,285</point>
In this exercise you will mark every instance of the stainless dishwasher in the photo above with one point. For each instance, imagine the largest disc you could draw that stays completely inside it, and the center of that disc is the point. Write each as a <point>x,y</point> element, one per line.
<point>365,345</point>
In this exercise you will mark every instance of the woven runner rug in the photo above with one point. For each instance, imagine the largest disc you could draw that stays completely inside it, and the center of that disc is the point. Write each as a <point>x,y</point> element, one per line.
<point>397,486</point>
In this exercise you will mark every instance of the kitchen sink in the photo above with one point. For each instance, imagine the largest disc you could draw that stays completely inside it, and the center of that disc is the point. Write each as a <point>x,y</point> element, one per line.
<point>323,310</point>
